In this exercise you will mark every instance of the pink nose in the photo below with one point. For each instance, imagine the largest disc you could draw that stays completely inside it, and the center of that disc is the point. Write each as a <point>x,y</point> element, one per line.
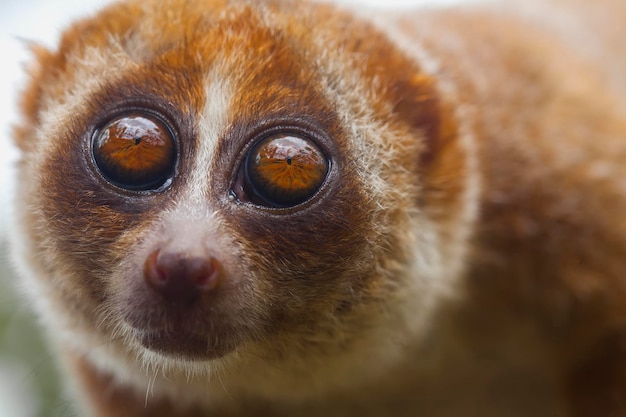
<point>180,277</point>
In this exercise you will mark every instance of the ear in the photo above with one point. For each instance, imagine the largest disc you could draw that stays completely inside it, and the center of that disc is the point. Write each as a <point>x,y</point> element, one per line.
<point>444,165</point>
<point>30,99</point>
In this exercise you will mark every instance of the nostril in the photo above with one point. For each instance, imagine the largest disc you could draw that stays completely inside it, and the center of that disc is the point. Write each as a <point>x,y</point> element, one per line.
<point>206,273</point>
<point>151,272</point>
<point>176,274</point>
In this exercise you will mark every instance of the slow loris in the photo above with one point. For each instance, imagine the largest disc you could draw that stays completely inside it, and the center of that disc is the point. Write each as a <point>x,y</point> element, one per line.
<point>284,208</point>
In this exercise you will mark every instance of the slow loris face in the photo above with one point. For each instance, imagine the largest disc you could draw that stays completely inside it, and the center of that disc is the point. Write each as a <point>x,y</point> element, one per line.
<point>209,184</point>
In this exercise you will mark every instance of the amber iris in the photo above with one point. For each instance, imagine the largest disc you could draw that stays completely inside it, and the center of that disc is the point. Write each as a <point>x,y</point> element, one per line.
<point>136,152</point>
<point>286,170</point>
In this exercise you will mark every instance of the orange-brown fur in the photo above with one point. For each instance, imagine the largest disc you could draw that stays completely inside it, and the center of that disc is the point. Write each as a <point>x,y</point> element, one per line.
<point>467,256</point>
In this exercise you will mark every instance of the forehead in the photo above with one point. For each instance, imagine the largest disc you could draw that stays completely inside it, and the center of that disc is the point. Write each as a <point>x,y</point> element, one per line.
<point>179,43</point>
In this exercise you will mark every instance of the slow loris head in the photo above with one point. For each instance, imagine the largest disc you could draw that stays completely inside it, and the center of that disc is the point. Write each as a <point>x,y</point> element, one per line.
<point>261,185</point>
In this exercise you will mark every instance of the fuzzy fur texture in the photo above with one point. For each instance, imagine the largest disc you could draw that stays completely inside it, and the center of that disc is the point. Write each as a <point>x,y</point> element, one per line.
<point>465,256</point>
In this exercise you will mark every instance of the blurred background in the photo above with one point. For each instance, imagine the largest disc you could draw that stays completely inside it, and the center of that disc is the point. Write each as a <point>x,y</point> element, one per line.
<point>29,383</point>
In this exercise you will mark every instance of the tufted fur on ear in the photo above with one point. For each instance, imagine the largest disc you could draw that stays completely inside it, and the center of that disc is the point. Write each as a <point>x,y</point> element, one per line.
<point>29,99</point>
<point>463,255</point>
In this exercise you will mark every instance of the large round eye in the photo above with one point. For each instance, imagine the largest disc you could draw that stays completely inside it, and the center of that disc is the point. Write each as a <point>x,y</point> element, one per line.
<point>136,152</point>
<point>285,170</point>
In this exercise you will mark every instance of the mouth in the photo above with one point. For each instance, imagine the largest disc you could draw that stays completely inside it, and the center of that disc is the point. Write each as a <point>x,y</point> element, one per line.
<point>185,345</point>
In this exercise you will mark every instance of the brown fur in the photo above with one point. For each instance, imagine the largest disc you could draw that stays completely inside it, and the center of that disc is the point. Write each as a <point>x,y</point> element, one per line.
<point>466,255</point>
